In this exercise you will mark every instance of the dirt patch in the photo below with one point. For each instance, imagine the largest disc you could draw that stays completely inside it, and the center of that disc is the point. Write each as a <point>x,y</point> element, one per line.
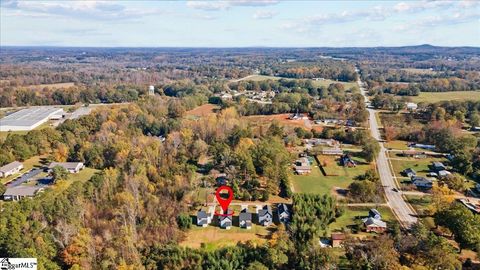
<point>51,85</point>
<point>282,119</point>
<point>203,110</point>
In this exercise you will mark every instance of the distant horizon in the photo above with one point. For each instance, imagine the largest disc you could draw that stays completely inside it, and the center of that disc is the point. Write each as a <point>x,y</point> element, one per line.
<point>244,47</point>
<point>239,23</point>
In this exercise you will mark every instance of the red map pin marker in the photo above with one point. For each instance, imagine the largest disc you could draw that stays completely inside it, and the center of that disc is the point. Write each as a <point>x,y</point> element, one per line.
<point>224,202</point>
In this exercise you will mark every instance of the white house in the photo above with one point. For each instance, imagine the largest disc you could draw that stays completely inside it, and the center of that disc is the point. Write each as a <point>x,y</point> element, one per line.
<point>10,169</point>
<point>411,106</point>
<point>71,167</point>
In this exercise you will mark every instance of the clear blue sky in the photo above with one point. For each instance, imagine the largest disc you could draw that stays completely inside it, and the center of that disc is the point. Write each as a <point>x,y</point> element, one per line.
<point>239,23</point>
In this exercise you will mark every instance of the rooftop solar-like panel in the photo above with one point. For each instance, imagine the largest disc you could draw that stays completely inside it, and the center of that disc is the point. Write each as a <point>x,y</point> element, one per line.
<point>29,117</point>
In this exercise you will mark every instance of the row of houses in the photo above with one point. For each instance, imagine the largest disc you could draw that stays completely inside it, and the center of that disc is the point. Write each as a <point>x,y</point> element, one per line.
<point>264,217</point>
<point>437,169</point>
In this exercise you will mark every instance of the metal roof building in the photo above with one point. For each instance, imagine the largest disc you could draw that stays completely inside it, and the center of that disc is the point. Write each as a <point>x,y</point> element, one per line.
<point>28,119</point>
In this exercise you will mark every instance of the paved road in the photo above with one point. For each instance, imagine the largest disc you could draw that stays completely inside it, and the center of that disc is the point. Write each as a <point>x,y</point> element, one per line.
<point>404,211</point>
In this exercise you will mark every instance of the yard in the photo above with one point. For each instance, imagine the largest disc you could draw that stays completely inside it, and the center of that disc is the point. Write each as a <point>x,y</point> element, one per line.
<point>340,177</point>
<point>419,165</point>
<point>397,144</point>
<point>319,83</point>
<point>213,237</point>
<point>420,203</point>
<point>432,97</point>
<point>203,110</point>
<point>353,215</point>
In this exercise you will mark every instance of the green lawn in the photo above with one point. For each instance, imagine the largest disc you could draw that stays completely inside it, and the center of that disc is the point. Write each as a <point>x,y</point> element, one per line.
<point>316,183</point>
<point>420,203</point>
<point>397,144</point>
<point>352,215</point>
<point>432,97</point>
<point>318,83</point>
<point>419,165</point>
<point>83,176</point>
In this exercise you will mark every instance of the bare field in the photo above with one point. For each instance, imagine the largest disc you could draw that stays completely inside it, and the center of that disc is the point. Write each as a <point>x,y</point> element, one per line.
<point>265,120</point>
<point>51,85</point>
<point>202,110</point>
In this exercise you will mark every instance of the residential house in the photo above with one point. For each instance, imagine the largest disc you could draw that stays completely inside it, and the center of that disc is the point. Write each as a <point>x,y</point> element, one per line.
<point>283,213</point>
<point>332,151</point>
<point>411,106</point>
<point>337,239</point>
<point>422,182</point>
<point>245,219</point>
<point>20,192</point>
<point>443,174</point>
<point>474,207</point>
<point>414,154</point>
<point>347,161</point>
<point>423,146</point>
<point>10,169</point>
<point>438,166</point>
<point>226,220</point>
<point>409,172</point>
<point>71,167</point>
<point>374,213</point>
<point>265,216</point>
<point>374,225</point>
<point>302,166</point>
<point>202,218</point>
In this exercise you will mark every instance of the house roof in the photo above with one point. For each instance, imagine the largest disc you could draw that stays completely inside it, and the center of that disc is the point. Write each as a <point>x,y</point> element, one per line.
<point>10,166</point>
<point>438,164</point>
<point>374,212</point>
<point>409,170</point>
<point>421,181</point>
<point>375,222</point>
<point>338,236</point>
<point>282,208</point>
<point>22,191</point>
<point>245,216</point>
<point>265,210</point>
<point>443,173</point>
<point>66,165</point>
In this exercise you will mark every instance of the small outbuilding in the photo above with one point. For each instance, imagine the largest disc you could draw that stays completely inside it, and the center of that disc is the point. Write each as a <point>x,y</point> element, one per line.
<point>409,172</point>
<point>337,239</point>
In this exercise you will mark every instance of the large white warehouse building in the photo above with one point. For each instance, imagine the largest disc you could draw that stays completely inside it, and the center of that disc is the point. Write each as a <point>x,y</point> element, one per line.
<point>28,119</point>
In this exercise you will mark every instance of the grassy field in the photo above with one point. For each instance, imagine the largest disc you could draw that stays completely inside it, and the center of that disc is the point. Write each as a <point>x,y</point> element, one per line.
<point>419,71</point>
<point>397,144</point>
<point>51,85</point>
<point>213,237</point>
<point>419,165</point>
<point>318,83</point>
<point>83,176</point>
<point>341,177</point>
<point>432,97</point>
<point>352,215</point>
<point>420,203</point>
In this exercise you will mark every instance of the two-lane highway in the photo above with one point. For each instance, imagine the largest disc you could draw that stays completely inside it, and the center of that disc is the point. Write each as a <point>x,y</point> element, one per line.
<point>403,211</point>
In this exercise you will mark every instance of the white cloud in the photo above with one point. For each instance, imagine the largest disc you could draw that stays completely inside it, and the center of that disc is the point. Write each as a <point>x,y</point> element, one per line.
<point>222,5</point>
<point>96,10</point>
<point>264,14</point>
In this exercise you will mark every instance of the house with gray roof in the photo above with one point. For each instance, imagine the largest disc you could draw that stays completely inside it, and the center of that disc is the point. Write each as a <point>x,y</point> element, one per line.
<point>71,167</point>
<point>283,213</point>
<point>245,219</point>
<point>10,169</point>
<point>374,213</point>
<point>19,192</point>
<point>265,216</point>
<point>374,225</point>
<point>422,182</point>
<point>225,221</point>
<point>202,218</point>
